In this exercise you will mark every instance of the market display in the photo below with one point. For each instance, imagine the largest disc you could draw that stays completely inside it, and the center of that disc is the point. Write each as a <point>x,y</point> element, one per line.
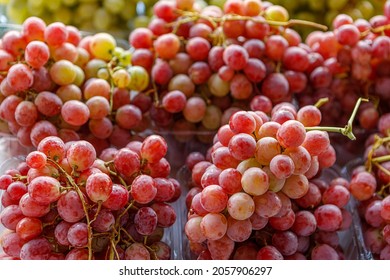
<point>224,128</point>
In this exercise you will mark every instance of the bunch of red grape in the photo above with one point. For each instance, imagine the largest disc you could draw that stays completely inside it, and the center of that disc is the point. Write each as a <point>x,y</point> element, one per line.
<point>54,82</point>
<point>356,59</point>
<point>369,184</point>
<point>207,63</point>
<point>259,196</point>
<point>62,202</point>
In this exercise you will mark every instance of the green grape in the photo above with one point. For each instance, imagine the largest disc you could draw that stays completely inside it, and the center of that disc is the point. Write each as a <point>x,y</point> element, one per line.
<point>291,5</point>
<point>17,10</point>
<point>102,45</point>
<point>212,118</point>
<point>101,19</point>
<point>85,25</point>
<point>141,21</point>
<point>53,5</point>
<point>35,3</point>
<point>354,13</point>
<point>337,5</point>
<point>103,74</point>
<point>276,13</point>
<point>64,15</point>
<point>34,9</point>
<point>330,15</point>
<point>69,3</point>
<point>218,3</point>
<point>80,76</point>
<point>366,8</point>
<point>318,5</point>
<point>124,57</point>
<point>85,11</point>
<point>217,86</point>
<point>128,12</point>
<point>114,6</point>
<point>139,78</point>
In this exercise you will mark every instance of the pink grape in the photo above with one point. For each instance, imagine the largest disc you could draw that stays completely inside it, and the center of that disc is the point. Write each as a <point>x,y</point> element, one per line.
<point>98,187</point>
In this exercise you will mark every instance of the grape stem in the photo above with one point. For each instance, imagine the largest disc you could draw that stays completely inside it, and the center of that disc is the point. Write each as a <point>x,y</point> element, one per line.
<point>321,102</point>
<point>229,17</point>
<point>83,202</point>
<point>346,130</point>
<point>381,159</point>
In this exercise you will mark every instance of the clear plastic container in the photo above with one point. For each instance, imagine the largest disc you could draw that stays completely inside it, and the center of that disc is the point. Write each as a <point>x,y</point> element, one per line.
<point>12,154</point>
<point>351,240</point>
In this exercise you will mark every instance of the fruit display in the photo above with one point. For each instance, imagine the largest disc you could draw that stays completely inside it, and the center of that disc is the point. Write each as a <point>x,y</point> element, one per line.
<point>62,202</point>
<point>262,117</point>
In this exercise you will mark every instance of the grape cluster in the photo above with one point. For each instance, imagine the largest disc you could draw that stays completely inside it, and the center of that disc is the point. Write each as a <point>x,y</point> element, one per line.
<point>258,194</point>
<point>369,185</point>
<point>114,16</point>
<point>54,82</point>
<point>207,63</point>
<point>62,202</point>
<point>356,59</point>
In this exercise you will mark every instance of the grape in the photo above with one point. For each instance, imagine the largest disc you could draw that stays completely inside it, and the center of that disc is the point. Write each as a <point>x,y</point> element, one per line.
<point>77,254</point>
<point>36,249</point>
<point>81,155</point>
<point>266,149</point>
<point>165,189</point>
<point>20,77</point>
<point>328,217</point>
<point>236,57</point>
<point>324,252</point>
<point>220,249</point>
<point>305,223</point>
<point>78,234</point>
<point>75,112</point>
<point>70,207</point>
<point>285,242</point>
<point>104,221</point>
<point>242,146</point>
<point>239,230</point>
<point>269,252</point>
<point>213,226</point>
<point>242,122</point>
<point>145,220</point>
<point>255,181</point>
<point>241,206</point>
<point>282,166</point>
<point>16,190</point>
<point>193,231</point>
<point>267,205</point>
<point>98,187</point>
<point>11,216</point>
<point>291,134</point>
<point>37,54</point>
<point>12,244</point>
<point>102,45</point>
<point>213,199</point>
<point>31,208</point>
<point>174,101</point>
<point>44,190</point>
<point>137,251</point>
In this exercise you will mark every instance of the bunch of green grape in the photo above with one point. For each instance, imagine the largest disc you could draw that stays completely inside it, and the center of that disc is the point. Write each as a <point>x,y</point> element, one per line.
<point>116,16</point>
